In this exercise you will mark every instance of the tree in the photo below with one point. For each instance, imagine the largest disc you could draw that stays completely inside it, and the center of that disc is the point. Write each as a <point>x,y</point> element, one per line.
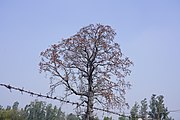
<point>143,109</point>
<point>50,113</point>
<point>11,113</point>
<point>35,110</point>
<point>134,111</point>
<point>60,114</point>
<point>157,108</point>
<point>89,65</point>
<point>15,105</point>
<point>14,111</point>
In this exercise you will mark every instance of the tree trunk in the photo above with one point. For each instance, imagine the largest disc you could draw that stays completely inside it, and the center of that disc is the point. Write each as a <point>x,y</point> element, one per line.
<point>89,112</point>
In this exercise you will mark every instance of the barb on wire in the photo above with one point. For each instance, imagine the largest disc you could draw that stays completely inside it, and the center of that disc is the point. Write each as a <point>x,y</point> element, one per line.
<point>37,94</point>
<point>22,90</point>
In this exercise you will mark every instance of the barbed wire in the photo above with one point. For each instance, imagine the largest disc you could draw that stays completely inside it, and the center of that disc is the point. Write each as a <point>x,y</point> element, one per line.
<point>22,90</point>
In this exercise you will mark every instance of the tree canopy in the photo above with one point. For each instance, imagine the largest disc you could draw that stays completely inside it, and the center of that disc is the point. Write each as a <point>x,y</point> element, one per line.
<point>90,65</point>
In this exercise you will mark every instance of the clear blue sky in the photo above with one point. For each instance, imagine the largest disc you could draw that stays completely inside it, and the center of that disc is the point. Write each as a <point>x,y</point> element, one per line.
<point>148,32</point>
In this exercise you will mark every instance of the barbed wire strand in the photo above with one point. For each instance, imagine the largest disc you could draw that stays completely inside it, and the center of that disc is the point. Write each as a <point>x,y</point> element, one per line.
<point>22,90</point>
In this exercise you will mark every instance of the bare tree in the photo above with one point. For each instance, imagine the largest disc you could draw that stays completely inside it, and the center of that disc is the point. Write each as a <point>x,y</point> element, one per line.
<point>90,65</point>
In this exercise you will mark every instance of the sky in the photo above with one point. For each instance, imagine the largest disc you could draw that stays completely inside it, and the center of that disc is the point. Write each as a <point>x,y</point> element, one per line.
<point>148,33</point>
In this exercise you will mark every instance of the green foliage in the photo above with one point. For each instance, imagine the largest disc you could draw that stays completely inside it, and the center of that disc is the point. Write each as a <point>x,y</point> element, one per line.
<point>36,110</point>
<point>123,118</point>
<point>39,110</point>
<point>134,111</point>
<point>157,108</point>
<point>83,117</point>
<point>15,106</point>
<point>107,118</point>
<point>60,114</point>
<point>11,114</point>
<point>143,109</point>
<point>71,116</point>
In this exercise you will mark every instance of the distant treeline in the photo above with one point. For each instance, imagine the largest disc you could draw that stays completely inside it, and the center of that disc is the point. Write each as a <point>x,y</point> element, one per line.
<point>36,110</point>
<point>40,110</point>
